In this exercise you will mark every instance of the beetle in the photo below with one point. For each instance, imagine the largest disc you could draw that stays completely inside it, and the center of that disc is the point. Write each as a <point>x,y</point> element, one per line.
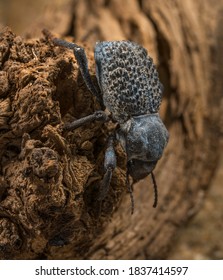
<point>131,91</point>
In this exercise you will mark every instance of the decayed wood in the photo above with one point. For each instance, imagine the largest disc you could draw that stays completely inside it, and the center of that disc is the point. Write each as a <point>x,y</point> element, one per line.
<point>49,179</point>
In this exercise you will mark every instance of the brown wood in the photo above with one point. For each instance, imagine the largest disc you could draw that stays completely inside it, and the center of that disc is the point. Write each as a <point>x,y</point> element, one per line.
<point>49,179</point>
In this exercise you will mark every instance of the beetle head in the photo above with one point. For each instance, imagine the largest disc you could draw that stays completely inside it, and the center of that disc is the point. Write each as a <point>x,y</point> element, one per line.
<point>143,139</point>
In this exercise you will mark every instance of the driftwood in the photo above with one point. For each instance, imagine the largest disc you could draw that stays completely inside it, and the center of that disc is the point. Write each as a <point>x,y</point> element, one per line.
<point>49,179</point>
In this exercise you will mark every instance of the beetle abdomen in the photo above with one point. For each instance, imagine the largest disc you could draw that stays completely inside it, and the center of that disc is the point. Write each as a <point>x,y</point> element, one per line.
<point>128,79</point>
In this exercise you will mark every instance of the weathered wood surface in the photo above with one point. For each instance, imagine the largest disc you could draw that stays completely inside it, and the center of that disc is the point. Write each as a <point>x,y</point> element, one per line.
<point>49,179</point>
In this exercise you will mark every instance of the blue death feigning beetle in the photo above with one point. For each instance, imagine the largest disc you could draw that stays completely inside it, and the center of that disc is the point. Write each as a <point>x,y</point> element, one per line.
<point>131,91</point>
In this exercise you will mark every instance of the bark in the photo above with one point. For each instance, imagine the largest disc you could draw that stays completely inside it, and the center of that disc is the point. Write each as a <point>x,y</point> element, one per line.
<point>49,179</point>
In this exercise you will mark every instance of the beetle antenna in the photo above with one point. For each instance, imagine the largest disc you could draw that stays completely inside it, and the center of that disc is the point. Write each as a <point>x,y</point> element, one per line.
<point>130,190</point>
<point>155,190</point>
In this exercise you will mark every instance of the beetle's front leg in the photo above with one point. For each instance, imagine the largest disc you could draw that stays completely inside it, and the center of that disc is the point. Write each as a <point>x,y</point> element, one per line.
<point>109,166</point>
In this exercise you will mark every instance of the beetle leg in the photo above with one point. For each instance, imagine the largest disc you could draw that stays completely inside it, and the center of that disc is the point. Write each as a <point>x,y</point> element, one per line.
<point>109,166</point>
<point>97,116</point>
<point>82,61</point>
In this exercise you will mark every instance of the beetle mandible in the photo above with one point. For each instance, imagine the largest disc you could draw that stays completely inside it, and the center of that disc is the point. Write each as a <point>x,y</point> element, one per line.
<point>132,92</point>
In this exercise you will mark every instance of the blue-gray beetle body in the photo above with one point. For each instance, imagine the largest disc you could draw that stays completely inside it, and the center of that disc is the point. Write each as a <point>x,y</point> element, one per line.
<point>132,92</point>
<point>130,89</point>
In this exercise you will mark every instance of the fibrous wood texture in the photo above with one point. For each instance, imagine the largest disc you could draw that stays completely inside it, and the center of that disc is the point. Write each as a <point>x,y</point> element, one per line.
<point>49,179</point>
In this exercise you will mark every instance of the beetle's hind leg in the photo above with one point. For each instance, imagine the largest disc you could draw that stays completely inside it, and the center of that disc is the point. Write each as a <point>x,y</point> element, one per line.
<point>82,61</point>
